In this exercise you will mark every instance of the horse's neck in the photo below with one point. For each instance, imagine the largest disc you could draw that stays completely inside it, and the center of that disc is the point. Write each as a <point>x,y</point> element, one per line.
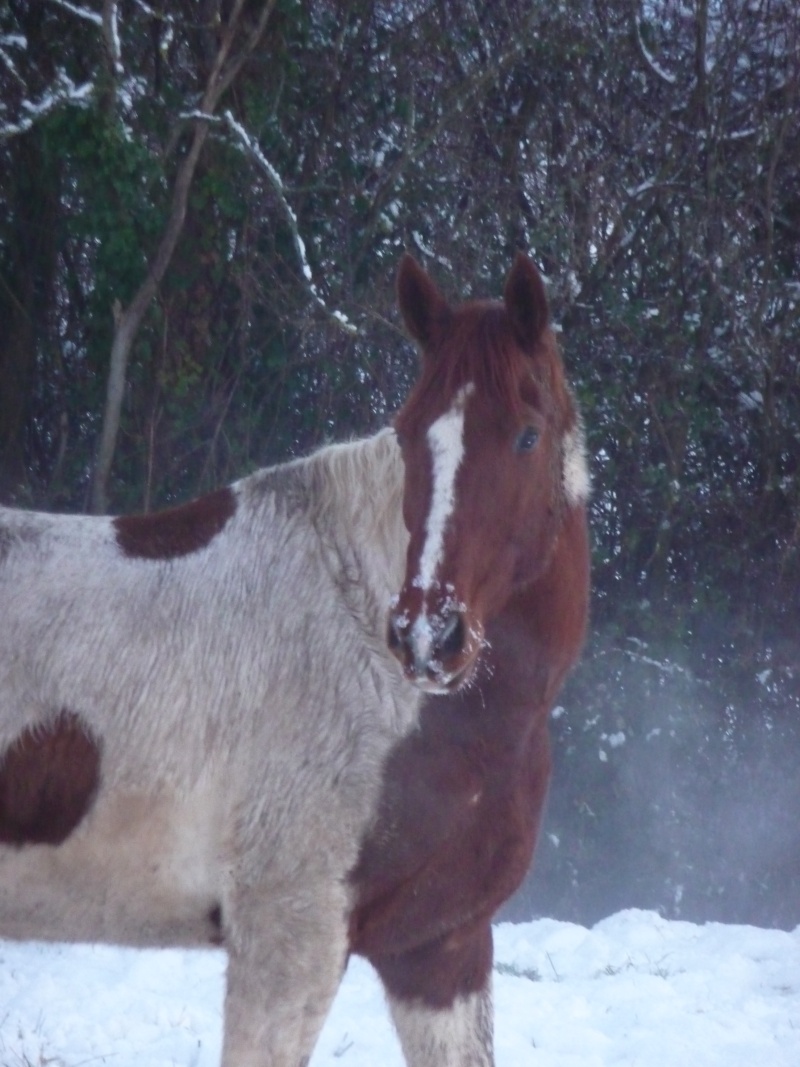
<point>537,637</point>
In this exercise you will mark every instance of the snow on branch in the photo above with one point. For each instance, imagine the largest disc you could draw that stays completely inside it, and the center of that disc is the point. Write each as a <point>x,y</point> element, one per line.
<point>275,180</point>
<point>81,12</point>
<point>650,60</point>
<point>111,33</point>
<point>12,40</point>
<point>65,91</point>
<point>162,17</point>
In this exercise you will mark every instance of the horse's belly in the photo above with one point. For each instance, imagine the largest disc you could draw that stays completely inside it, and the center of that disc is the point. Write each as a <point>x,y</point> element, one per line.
<point>139,870</point>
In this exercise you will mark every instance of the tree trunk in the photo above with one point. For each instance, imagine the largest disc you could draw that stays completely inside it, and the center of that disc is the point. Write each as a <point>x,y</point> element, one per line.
<point>128,321</point>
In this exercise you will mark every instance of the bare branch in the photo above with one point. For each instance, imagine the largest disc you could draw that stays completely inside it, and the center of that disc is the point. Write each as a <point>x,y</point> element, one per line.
<point>650,62</point>
<point>418,142</point>
<point>63,90</point>
<point>275,180</point>
<point>11,40</point>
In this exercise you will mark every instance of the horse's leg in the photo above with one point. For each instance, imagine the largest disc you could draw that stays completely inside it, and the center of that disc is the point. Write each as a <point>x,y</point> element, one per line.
<point>458,1036</point>
<point>286,956</point>
<point>441,1001</point>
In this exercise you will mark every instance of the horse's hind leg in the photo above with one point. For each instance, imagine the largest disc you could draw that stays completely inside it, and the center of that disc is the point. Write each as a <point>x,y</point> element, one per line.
<point>440,999</point>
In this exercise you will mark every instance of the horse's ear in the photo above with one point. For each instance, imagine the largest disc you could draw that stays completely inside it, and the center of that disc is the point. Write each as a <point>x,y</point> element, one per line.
<point>422,306</point>
<point>526,302</point>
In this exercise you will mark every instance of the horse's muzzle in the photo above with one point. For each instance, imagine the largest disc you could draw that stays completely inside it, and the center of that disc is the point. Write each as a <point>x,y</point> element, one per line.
<point>436,651</point>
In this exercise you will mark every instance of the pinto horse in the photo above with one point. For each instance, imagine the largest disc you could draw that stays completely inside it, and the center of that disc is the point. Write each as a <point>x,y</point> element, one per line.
<point>210,733</point>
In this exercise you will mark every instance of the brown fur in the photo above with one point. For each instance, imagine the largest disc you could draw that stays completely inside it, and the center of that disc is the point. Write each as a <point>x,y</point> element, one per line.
<point>48,779</point>
<point>495,346</point>
<point>176,531</point>
<point>463,796</point>
<point>478,347</point>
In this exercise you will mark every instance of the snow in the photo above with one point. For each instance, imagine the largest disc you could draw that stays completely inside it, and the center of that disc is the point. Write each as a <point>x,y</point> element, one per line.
<point>81,12</point>
<point>752,401</point>
<point>635,989</point>
<point>65,90</point>
<point>650,59</point>
<point>112,38</point>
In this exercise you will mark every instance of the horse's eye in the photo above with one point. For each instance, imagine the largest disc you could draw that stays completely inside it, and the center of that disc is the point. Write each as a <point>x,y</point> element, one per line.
<point>526,442</point>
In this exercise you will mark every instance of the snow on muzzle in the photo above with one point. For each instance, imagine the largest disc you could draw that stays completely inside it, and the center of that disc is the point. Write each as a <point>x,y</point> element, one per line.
<point>436,639</point>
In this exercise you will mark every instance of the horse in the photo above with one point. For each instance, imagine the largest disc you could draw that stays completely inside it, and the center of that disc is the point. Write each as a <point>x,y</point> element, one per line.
<point>305,715</point>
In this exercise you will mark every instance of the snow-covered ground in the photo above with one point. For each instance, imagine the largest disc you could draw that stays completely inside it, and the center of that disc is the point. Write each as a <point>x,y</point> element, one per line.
<point>633,990</point>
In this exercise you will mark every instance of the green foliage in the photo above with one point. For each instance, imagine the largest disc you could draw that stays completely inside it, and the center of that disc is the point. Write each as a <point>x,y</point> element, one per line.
<point>109,181</point>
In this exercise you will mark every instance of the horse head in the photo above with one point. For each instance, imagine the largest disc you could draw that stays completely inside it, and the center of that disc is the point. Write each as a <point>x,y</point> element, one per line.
<point>493,454</point>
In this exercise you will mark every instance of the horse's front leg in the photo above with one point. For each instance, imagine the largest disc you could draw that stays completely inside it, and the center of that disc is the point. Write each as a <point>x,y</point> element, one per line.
<point>285,962</point>
<point>441,1001</point>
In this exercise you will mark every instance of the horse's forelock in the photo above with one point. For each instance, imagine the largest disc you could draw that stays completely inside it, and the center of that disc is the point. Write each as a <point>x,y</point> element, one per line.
<point>480,349</point>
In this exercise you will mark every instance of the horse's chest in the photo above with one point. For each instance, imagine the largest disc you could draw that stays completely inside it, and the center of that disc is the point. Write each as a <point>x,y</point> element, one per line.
<point>454,836</point>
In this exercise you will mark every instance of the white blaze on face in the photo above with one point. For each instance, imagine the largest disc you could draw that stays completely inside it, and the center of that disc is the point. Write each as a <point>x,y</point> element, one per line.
<point>576,470</point>
<point>446,441</point>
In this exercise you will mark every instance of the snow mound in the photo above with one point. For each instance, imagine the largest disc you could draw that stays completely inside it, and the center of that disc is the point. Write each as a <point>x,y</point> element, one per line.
<point>635,989</point>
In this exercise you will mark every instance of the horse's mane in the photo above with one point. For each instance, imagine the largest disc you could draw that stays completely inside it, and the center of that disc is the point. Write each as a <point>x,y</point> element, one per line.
<point>360,472</point>
<point>355,504</point>
<point>349,493</point>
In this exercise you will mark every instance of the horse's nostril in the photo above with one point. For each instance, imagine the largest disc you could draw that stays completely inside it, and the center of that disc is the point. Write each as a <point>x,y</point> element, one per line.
<point>393,639</point>
<point>450,641</point>
<point>397,636</point>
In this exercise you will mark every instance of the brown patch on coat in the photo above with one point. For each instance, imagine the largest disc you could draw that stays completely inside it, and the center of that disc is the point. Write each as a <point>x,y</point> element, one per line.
<point>458,817</point>
<point>48,779</point>
<point>177,531</point>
